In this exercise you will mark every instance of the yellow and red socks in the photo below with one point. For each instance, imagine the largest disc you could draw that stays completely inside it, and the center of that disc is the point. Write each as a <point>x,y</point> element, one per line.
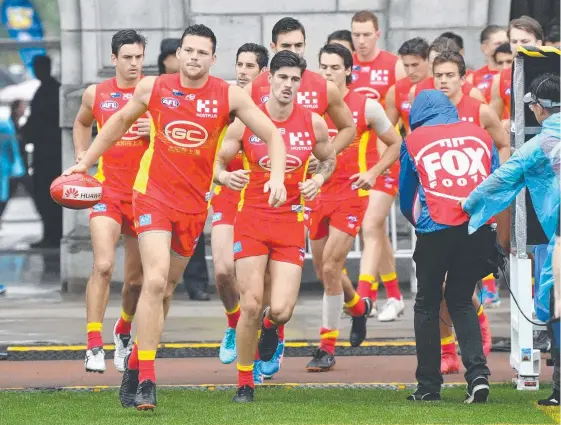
<point>364,288</point>
<point>133,358</point>
<point>233,316</point>
<point>448,345</point>
<point>245,376</point>
<point>374,290</point>
<point>356,306</point>
<point>146,370</point>
<point>481,316</point>
<point>94,335</point>
<point>124,324</point>
<point>392,285</point>
<point>280,332</point>
<point>328,339</point>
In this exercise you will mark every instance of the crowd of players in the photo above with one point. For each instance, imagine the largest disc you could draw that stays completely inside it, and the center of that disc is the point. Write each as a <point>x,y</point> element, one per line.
<point>282,153</point>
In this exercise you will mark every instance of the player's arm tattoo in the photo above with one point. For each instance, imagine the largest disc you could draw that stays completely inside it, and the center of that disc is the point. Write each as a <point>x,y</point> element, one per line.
<point>326,167</point>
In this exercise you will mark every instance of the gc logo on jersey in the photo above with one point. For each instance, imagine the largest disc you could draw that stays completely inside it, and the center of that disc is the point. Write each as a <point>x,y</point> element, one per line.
<point>109,105</point>
<point>292,163</point>
<point>185,134</point>
<point>170,102</point>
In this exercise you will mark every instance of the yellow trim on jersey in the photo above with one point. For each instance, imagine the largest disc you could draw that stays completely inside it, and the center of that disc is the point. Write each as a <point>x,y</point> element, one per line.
<point>218,146</point>
<point>302,200</point>
<point>99,176</point>
<point>362,166</point>
<point>141,181</point>
<point>245,163</point>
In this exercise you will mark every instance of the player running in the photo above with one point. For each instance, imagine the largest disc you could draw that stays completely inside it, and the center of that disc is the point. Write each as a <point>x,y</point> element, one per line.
<point>113,215</point>
<point>491,38</point>
<point>278,241</point>
<point>321,97</point>
<point>251,60</point>
<point>449,73</point>
<point>374,72</point>
<point>190,111</point>
<point>335,223</point>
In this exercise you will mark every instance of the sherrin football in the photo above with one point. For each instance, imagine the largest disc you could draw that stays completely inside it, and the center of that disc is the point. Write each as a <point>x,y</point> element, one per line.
<point>76,191</point>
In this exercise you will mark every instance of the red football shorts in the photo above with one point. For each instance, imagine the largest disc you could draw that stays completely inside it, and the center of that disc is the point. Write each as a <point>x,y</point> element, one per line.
<point>223,211</point>
<point>281,241</point>
<point>118,209</point>
<point>185,228</point>
<point>389,181</point>
<point>345,215</point>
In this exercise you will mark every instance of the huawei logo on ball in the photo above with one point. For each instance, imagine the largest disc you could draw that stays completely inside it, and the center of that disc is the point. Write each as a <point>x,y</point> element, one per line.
<point>70,193</point>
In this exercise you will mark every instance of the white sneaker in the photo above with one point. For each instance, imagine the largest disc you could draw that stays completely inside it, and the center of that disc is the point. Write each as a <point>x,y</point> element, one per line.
<point>374,311</point>
<point>122,348</point>
<point>391,310</point>
<point>95,360</point>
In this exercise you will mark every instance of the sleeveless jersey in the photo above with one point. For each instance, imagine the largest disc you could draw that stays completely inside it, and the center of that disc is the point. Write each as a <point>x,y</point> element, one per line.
<point>468,110</point>
<point>505,83</point>
<point>450,165</point>
<point>428,84</point>
<point>118,166</point>
<point>312,93</point>
<point>352,159</point>
<point>299,138</point>
<point>225,194</point>
<point>483,79</point>
<point>402,88</point>
<point>188,126</point>
<point>374,78</point>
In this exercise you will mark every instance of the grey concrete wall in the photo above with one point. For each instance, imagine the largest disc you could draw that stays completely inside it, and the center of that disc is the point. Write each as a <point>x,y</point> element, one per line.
<point>87,27</point>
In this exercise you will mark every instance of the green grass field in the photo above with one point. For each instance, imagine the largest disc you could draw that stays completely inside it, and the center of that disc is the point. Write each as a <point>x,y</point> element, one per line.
<point>275,406</point>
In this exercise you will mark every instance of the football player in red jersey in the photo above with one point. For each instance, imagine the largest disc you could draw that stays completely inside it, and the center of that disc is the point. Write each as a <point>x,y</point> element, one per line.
<point>374,71</point>
<point>438,46</point>
<point>113,216</point>
<point>278,241</point>
<point>503,56</point>
<point>316,94</point>
<point>491,38</point>
<point>449,72</point>
<point>524,31</point>
<point>190,111</point>
<point>335,223</point>
<point>251,60</point>
<point>414,54</point>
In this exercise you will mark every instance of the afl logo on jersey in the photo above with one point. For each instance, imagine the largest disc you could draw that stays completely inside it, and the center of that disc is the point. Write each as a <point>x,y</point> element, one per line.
<point>265,98</point>
<point>254,140</point>
<point>186,134</point>
<point>292,163</point>
<point>170,102</point>
<point>109,105</point>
